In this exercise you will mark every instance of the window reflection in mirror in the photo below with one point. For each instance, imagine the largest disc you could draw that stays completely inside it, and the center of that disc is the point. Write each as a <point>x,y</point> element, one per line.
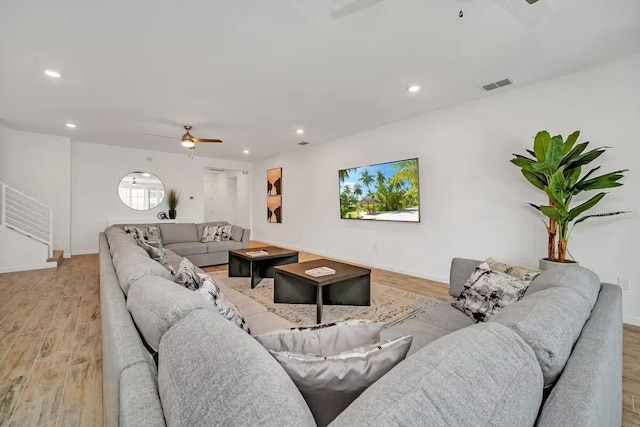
<point>141,191</point>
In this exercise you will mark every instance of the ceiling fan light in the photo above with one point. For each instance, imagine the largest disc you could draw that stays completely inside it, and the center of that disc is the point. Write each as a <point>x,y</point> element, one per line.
<point>188,144</point>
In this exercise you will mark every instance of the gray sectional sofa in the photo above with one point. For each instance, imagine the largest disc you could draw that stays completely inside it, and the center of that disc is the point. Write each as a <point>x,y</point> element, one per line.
<point>183,239</point>
<point>551,359</point>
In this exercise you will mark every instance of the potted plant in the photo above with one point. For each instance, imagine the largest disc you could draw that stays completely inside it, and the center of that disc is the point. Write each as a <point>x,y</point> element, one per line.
<point>173,198</point>
<point>555,167</point>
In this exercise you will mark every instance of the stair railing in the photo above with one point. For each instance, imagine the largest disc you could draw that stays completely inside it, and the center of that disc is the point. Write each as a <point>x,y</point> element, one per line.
<point>26,215</point>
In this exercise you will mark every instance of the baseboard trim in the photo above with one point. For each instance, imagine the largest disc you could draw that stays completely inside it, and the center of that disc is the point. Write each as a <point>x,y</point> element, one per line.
<point>393,269</point>
<point>631,320</point>
<point>28,267</point>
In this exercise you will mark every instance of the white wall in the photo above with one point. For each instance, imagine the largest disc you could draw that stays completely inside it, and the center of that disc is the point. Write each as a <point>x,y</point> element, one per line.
<point>227,196</point>
<point>97,170</point>
<point>472,198</point>
<point>39,166</point>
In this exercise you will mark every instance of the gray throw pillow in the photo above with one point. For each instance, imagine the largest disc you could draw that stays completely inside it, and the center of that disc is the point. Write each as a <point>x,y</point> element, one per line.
<point>487,291</point>
<point>325,340</point>
<point>157,253</point>
<point>187,275</point>
<point>211,292</point>
<point>330,383</point>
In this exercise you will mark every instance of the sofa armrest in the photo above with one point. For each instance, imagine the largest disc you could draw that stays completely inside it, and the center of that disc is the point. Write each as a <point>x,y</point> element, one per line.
<point>245,238</point>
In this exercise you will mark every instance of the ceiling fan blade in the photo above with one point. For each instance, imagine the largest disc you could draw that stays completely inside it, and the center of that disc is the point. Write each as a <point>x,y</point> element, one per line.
<point>206,140</point>
<point>352,7</point>
<point>162,136</point>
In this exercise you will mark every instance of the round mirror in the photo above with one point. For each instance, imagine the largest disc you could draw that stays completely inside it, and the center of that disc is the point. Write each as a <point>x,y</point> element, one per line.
<point>141,191</point>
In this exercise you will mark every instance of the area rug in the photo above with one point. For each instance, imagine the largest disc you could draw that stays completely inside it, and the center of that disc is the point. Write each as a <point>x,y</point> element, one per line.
<point>388,305</point>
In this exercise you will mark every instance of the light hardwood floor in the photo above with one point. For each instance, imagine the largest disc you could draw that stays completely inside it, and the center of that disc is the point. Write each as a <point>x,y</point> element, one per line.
<point>50,347</point>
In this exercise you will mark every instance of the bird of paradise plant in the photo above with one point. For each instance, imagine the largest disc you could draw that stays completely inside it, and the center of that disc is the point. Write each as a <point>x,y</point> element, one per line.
<point>555,167</point>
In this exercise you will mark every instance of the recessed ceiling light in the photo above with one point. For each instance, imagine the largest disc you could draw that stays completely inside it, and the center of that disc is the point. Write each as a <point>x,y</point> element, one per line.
<point>52,73</point>
<point>71,125</point>
<point>146,174</point>
<point>413,89</point>
<point>245,151</point>
<point>300,131</point>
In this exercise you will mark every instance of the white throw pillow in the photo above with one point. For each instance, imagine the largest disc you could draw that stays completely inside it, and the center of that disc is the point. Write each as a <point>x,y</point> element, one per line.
<point>326,339</point>
<point>330,383</point>
<point>522,273</point>
<point>209,233</point>
<point>487,291</point>
<point>187,275</point>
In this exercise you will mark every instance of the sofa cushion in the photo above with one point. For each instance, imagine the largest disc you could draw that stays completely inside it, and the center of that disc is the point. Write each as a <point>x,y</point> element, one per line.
<point>157,304</point>
<point>236,233</point>
<point>179,233</point>
<point>227,245</point>
<point>173,259</point>
<point>204,224</point>
<point>487,292</point>
<point>330,383</point>
<point>188,248</point>
<point>262,322</point>
<point>134,266</point>
<point>550,321</point>
<point>583,281</point>
<point>439,320</point>
<point>325,340</point>
<point>483,375</point>
<point>117,238</point>
<point>251,388</point>
<point>246,305</point>
<point>156,252</point>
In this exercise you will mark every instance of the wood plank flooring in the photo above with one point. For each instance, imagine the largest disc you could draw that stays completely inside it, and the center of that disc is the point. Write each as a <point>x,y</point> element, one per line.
<point>50,345</point>
<point>50,351</point>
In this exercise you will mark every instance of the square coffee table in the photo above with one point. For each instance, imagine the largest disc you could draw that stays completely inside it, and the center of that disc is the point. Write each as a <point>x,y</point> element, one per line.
<point>350,285</point>
<point>259,267</point>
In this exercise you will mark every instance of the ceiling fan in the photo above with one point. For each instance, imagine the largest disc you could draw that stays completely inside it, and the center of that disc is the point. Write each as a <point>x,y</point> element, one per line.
<point>187,140</point>
<point>514,7</point>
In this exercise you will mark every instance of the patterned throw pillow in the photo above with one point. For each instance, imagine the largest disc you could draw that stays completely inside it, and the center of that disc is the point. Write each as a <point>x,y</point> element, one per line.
<point>224,233</point>
<point>522,273</point>
<point>187,275</point>
<point>330,383</point>
<point>157,252</point>
<point>210,291</point>
<point>147,233</point>
<point>209,233</point>
<point>487,291</point>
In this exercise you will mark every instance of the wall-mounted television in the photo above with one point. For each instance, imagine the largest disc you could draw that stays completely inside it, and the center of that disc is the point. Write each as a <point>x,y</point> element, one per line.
<point>382,192</point>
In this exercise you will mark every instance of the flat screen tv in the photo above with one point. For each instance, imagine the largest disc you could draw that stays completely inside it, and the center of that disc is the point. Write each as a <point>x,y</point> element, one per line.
<point>382,192</point>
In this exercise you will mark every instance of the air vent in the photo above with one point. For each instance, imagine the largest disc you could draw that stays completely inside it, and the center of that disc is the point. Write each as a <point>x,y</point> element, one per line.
<point>304,143</point>
<point>498,84</point>
<point>215,170</point>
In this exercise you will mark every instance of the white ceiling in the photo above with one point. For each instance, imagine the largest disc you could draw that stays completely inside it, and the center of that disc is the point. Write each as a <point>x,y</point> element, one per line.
<point>251,72</point>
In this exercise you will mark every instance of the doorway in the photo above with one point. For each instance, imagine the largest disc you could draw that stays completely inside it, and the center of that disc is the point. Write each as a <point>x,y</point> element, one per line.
<point>226,194</point>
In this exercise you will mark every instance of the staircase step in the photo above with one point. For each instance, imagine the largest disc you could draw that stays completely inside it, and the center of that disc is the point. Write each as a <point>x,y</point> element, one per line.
<point>57,257</point>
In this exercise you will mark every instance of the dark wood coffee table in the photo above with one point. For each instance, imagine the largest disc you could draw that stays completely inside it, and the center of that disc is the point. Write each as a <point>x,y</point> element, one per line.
<point>350,285</point>
<point>258,268</point>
